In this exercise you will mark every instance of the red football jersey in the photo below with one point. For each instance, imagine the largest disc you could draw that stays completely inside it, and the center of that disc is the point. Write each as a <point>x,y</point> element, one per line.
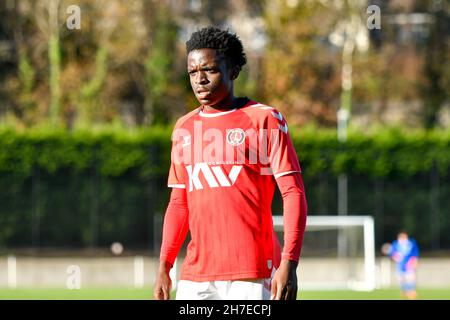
<point>228,162</point>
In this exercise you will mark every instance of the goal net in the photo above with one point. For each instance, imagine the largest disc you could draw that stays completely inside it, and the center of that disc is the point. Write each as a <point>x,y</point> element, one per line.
<point>338,252</point>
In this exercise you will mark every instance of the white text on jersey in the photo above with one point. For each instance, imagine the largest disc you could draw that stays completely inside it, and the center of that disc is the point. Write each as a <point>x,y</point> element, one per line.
<point>214,176</point>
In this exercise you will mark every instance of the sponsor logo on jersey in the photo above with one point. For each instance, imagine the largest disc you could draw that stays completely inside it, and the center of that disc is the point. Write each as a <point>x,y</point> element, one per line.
<point>214,176</point>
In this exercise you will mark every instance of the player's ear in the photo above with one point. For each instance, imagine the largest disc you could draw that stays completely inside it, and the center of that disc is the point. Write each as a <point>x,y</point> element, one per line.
<point>234,72</point>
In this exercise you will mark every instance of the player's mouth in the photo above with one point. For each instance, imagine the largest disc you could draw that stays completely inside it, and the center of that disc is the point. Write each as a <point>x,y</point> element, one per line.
<point>203,94</point>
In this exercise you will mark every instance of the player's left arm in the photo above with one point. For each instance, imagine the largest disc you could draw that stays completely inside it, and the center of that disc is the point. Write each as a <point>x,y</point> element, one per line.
<point>413,256</point>
<point>286,169</point>
<point>284,283</point>
<point>415,249</point>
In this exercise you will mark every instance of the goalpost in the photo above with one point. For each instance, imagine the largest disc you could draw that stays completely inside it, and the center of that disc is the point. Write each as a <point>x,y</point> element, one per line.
<point>338,252</point>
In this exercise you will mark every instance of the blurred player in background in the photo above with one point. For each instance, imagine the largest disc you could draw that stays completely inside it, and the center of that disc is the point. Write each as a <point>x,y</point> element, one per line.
<point>228,155</point>
<point>405,252</point>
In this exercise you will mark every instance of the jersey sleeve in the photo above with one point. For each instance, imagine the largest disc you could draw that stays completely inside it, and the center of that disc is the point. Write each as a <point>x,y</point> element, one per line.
<point>414,249</point>
<point>282,155</point>
<point>175,179</point>
<point>175,227</point>
<point>177,170</point>
<point>294,214</point>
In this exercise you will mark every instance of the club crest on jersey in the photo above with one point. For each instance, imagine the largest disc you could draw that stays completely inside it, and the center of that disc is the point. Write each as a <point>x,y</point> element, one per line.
<point>236,136</point>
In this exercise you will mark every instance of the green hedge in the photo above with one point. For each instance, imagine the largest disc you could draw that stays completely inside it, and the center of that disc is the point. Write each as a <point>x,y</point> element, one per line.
<point>147,151</point>
<point>112,153</point>
<point>381,154</point>
<point>90,188</point>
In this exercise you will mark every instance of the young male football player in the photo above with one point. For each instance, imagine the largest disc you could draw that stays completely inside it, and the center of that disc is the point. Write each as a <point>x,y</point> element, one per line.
<point>228,155</point>
<point>405,252</point>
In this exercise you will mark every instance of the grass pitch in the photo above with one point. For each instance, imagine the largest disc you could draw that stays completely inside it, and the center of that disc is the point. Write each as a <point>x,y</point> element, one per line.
<point>147,294</point>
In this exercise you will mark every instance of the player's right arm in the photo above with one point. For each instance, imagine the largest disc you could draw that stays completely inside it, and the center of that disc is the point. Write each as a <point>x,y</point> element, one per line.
<point>386,249</point>
<point>176,219</point>
<point>175,229</point>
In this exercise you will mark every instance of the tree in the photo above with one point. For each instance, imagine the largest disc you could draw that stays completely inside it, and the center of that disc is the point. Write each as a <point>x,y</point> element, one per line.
<point>301,76</point>
<point>437,66</point>
<point>159,67</point>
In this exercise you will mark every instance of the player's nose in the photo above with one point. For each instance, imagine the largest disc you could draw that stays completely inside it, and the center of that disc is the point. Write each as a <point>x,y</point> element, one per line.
<point>201,78</point>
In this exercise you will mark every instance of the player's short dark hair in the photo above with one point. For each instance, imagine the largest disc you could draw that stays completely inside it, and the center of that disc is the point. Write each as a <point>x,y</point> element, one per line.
<point>223,41</point>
